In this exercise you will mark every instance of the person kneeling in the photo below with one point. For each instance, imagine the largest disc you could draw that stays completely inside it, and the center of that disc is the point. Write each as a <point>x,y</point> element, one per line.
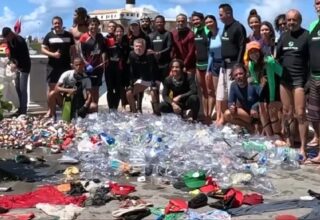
<point>179,91</point>
<point>243,102</point>
<point>74,86</point>
<point>143,74</point>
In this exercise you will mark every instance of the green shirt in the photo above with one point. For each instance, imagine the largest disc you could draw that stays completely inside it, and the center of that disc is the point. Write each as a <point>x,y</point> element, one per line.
<point>272,68</point>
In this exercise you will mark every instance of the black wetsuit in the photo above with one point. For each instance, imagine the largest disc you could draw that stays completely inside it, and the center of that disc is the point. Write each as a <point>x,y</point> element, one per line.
<point>293,55</point>
<point>114,75</point>
<point>186,88</point>
<point>202,48</point>
<point>233,44</point>
<point>162,42</point>
<point>314,50</point>
<point>142,67</point>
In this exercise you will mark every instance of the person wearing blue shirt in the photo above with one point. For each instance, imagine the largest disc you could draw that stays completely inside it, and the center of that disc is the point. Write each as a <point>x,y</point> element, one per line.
<point>243,101</point>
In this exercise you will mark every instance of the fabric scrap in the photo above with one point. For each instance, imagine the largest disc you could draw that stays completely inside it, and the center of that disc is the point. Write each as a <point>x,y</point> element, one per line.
<point>67,212</point>
<point>279,206</point>
<point>15,216</point>
<point>45,194</point>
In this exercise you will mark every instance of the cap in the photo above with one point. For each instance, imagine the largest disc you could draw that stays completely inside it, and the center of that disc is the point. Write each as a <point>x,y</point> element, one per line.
<point>253,45</point>
<point>6,31</point>
<point>131,22</point>
<point>250,46</point>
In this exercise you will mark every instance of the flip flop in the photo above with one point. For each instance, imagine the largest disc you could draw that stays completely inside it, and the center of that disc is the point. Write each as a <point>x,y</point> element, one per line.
<point>313,143</point>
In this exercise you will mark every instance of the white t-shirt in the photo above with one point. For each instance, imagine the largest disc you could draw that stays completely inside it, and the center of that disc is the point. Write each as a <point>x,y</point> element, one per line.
<point>68,80</point>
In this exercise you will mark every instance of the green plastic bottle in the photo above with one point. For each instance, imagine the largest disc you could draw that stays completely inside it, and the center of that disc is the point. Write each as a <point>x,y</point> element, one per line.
<point>66,108</point>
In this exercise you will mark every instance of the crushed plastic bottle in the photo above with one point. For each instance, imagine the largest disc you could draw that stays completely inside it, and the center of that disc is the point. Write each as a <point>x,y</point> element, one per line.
<point>166,147</point>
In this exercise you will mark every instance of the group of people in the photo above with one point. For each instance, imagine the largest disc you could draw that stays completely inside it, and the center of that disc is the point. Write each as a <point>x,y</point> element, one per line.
<point>258,81</point>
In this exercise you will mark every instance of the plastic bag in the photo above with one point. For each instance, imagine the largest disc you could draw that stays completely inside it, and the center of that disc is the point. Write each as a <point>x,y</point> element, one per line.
<point>7,78</point>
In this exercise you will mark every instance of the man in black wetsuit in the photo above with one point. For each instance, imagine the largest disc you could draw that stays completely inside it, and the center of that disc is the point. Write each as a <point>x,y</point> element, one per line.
<point>293,55</point>
<point>145,25</point>
<point>180,91</point>
<point>143,70</point>
<point>161,46</point>
<point>233,45</point>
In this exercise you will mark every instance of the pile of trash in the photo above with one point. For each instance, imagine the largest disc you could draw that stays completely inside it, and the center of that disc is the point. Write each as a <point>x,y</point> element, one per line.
<point>28,132</point>
<point>109,145</point>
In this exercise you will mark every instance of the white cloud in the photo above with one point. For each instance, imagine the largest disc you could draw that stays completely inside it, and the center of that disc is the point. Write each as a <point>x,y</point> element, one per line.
<point>268,10</point>
<point>188,1</point>
<point>173,12</point>
<point>151,7</point>
<point>7,17</point>
<point>54,3</point>
<point>38,22</point>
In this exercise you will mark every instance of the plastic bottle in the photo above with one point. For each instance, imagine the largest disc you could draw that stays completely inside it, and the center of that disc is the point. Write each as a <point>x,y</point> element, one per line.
<point>66,109</point>
<point>107,139</point>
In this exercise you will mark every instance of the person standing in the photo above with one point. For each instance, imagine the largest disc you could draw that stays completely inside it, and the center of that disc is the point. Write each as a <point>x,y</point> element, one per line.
<point>280,23</point>
<point>254,22</point>
<point>313,114</point>
<point>80,23</point>
<point>268,38</point>
<point>214,61</point>
<point>233,45</point>
<point>20,61</point>
<point>79,27</point>
<point>118,51</point>
<point>145,25</point>
<point>184,47</point>
<point>58,45</point>
<point>293,55</point>
<point>201,33</point>
<point>161,46</point>
<point>93,51</point>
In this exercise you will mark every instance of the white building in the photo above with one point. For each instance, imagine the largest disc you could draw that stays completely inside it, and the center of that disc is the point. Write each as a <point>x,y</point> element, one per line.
<point>123,15</point>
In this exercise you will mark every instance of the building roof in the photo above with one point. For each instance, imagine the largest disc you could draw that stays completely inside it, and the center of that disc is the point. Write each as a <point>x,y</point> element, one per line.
<point>122,10</point>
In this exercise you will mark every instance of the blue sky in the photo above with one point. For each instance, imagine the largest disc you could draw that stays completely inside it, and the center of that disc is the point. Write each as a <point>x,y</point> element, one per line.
<point>36,14</point>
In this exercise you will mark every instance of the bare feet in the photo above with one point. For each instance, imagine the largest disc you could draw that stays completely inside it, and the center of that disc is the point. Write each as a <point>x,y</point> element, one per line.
<point>219,123</point>
<point>313,161</point>
<point>48,114</point>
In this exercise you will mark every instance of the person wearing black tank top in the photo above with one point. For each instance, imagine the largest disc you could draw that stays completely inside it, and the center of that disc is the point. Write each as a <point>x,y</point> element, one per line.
<point>201,38</point>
